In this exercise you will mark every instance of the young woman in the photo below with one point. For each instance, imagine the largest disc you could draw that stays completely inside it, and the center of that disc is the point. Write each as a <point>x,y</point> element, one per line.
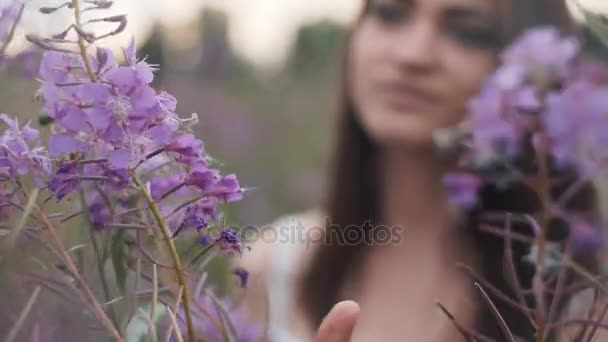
<point>411,67</point>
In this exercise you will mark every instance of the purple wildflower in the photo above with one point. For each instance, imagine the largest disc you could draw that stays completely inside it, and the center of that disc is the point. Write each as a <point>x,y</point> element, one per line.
<point>58,67</point>
<point>205,240</point>
<point>119,120</point>
<point>209,181</point>
<point>17,158</point>
<point>576,123</point>
<point>187,145</point>
<point>495,128</point>
<point>242,275</point>
<point>200,214</point>
<point>65,180</point>
<point>229,242</point>
<point>99,211</point>
<point>226,189</point>
<point>544,52</point>
<point>161,185</point>
<point>585,237</point>
<point>462,188</point>
<point>247,331</point>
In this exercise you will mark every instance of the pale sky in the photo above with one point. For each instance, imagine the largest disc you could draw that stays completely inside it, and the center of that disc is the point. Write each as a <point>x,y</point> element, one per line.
<point>262,31</point>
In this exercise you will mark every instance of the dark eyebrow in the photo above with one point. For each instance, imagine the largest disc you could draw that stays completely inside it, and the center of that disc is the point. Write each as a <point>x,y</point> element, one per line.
<point>467,13</point>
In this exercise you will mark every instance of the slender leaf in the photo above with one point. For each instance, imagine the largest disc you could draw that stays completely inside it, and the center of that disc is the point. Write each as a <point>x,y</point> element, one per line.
<point>31,203</point>
<point>119,260</point>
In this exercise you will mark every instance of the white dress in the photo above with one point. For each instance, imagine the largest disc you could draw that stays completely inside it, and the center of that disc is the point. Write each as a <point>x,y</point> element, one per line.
<point>279,280</point>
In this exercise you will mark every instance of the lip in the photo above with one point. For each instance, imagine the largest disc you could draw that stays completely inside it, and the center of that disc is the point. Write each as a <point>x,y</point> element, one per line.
<point>401,95</point>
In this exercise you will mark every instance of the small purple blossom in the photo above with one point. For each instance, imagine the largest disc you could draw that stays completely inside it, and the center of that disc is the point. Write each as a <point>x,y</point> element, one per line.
<point>65,180</point>
<point>21,152</point>
<point>576,122</point>
<point>242,275</point>
<point>462,188</point>
<point>497,127</point>
<point>544,51</point>
<point>585,237</point>
<point>99,211</point>
<point>159,186</point>
<point>187,145</point>
<point>209,181</point>
<point>200,214</point>
<point>229,242</point>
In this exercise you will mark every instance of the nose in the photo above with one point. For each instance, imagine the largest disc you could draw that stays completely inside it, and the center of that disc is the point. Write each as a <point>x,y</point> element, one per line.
<point>415,46</point>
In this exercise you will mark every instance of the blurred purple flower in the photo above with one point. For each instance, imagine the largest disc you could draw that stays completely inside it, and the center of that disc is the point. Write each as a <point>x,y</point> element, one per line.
<point>585,237</point>
<point>544,51</point>
<point>229,242</point>
<point>17,158</point>
<point>65,180</point>
<point>242,275</point>
<point>200,214</point>
<point>29,61</point>
<point>246,330</point>
<point>8,14</point>
<point>462,189</point>
<point>99,211</point>
<point>496,129</point>
<point>576,122</point>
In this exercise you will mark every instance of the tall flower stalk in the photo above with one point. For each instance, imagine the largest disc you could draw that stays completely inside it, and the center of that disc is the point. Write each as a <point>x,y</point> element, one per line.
<point>119,145</point>
<point>539,124</point>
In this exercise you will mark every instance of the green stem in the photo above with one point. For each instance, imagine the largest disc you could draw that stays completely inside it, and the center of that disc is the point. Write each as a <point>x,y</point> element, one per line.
<point>81,44</point>
<point>86,292</point>
<point>99,259</point>
<point>543,192</point>
<point>179,270</point>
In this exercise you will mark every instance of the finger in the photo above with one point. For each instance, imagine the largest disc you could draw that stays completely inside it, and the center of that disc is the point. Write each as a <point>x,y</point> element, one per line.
<point>339,324</point>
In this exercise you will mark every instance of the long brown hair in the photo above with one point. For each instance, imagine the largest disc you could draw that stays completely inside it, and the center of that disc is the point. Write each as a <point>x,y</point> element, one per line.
<point>353,200</point>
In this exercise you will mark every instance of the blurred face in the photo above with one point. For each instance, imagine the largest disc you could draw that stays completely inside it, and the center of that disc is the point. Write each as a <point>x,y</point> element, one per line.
<point>415,63</point>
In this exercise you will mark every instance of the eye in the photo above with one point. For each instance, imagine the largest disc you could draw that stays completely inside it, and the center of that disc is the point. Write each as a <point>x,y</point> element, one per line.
<point>388,14</point>
<point>480,37</point>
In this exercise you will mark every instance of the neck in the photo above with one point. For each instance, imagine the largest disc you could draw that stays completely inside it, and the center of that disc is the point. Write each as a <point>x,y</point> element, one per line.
<point>411,193</point>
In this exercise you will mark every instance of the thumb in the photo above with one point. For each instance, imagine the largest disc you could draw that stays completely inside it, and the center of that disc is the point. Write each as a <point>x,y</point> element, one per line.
<point>339,324</point>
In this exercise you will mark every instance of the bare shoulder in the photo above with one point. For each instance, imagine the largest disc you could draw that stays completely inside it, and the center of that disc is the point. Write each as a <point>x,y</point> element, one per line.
<point>293,234</point>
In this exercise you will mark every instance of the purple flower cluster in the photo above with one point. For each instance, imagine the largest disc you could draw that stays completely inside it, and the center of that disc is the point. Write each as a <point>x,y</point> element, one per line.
<point>112,124</point>
<point>546,99</point>
<point>20,154</point>
<point>543,89</point>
